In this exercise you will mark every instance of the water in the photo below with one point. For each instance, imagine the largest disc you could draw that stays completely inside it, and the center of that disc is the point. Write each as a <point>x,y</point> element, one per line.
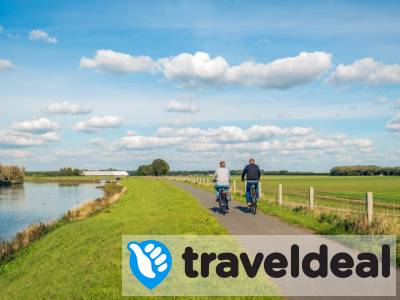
<point>23,205</point>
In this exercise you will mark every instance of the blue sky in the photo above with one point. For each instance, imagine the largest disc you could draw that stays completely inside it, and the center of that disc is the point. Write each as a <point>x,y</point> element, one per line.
<point>302,85</point>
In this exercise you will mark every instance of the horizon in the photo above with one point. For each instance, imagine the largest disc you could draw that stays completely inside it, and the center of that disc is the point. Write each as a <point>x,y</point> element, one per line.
<point>305,89</point>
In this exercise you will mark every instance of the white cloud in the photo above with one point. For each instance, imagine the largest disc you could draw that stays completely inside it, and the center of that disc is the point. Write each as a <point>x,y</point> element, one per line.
<point>41,125</point>
<point>72,154</point>
<point>6,65</point>
<point>96,141</point>
<point>23,139</point>
<point>145,142</point>
<point>68,108</point>
<point>184,107</point>
<point>99,122</point>
<point>116,62</point>
<point>381,100</point>
<point>394,124</point>
<point>232,134</point>
<point>199,68</point>
<point>281,73</point>
<point>192,69</point>
<point>14,153</point>
<point>41,35</point>
<point>366,70</point>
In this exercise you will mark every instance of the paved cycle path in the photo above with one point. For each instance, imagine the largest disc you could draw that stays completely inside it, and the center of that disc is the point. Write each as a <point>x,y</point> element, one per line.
<point>239,222</point>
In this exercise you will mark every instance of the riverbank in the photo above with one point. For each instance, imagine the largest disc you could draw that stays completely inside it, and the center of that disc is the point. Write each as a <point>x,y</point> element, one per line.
<point>82,259</point>
<point>65,179</point>
<point>22,239</point>
<point>10,182</point>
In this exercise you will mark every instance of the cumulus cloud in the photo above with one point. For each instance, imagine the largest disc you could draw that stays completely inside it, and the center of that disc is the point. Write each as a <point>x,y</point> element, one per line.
<point>366,70</point>
<point>40,35</point>
<point>200,68</point>
<point>138,142</point>
<point>281,73</point>
<point>99,122</point>
<point>66,108</point>
<point>72,154</point>
<point>116,62</point>
<point>381,100</point>
<point>6,65</point>
<point>231,134</point>
<point>41,125</point>
<point>192,69</point>
<point>183,107</point>
<point>24,139</point>
<point>394,123</point>
<point>14,153</point>
<point>96,141</point>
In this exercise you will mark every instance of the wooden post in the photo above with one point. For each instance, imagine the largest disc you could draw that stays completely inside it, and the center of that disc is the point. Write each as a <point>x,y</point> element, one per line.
<point>369,205</point>
<point>280,194</point>
<point>234,186</point>
<point>260,193</point>
<point>311,197</point>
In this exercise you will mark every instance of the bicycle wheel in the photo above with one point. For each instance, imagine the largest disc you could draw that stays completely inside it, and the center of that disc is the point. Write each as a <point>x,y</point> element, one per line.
<point>254,208</point>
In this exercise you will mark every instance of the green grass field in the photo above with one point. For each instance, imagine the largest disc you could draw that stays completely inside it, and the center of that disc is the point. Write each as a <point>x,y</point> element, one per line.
<point>342,192</point>
<point>82,259</point>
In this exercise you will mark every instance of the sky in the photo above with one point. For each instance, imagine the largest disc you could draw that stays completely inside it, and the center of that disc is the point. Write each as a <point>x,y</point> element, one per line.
<point>301,86</point>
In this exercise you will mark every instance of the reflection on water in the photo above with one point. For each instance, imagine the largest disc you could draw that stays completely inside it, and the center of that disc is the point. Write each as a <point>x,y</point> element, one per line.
<point>23,205</point>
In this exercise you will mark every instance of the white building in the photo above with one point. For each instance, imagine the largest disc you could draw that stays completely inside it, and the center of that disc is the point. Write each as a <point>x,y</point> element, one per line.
<point>105,173</point>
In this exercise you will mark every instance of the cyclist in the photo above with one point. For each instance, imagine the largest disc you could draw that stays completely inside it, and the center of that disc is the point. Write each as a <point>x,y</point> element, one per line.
<point>252,174</point>
<point>222,179</point>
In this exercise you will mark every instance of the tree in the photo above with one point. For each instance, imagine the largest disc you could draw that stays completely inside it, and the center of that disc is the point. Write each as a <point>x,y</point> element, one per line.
<point>160,167</point>
<point>144,170</point>
<point>69,172</point>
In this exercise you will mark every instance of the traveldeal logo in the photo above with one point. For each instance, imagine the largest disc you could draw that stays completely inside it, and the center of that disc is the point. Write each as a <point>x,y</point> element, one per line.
<point>260,265</point>
<point>150,262</point>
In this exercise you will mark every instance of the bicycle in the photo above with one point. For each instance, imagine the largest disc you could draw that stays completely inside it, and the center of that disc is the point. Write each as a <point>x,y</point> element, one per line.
<point>253,199</point>
<point>223,201</point>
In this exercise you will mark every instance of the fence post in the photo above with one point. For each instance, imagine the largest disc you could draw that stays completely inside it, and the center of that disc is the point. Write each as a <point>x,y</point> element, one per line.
<point>280,194</point>
<point>260,193</point>
<point>369,205</point>
<point>311,197</point>
<point>207,182</point>
<point>234,186</point>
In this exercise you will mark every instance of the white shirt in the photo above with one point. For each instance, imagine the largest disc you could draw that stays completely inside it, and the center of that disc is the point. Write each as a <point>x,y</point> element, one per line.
<point>222,176</point>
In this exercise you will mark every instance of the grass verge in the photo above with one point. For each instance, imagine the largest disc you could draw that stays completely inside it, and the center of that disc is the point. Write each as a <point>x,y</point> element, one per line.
<point>82,259</point>
<point>22,239</point>
<point>327,223</point>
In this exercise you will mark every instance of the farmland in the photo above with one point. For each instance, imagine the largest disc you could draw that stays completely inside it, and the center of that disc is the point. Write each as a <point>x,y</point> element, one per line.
<point>342,193</point>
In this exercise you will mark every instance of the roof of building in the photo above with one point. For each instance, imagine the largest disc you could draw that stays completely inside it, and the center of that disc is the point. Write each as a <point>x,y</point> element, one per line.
<point>105,173</point>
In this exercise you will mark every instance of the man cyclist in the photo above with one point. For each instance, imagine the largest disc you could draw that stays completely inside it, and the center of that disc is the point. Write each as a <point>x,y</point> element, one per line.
<point>222,179</point>
<point>252,174</point>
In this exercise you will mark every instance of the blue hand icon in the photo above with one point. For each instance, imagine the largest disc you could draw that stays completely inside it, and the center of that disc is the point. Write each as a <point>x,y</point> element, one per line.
<point>150,262</point>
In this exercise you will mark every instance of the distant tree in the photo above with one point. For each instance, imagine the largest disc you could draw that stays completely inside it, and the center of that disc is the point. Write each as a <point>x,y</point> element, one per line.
<point>364,170</point>
<point>69,172</point>
<point>144,170</point>
<point>160,167</point>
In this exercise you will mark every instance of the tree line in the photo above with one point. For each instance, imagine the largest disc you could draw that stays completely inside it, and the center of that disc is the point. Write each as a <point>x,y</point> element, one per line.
<point>158,167</point>
<point>11,172</point>
<point>364,171</point>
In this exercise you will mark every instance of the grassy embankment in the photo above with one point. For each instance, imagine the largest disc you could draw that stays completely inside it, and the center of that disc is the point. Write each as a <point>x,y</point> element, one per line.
<point>82,259</point>
<point>34,232</point>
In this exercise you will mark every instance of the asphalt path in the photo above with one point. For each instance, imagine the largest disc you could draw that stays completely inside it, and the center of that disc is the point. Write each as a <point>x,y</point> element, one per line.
<point>239,222</point>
